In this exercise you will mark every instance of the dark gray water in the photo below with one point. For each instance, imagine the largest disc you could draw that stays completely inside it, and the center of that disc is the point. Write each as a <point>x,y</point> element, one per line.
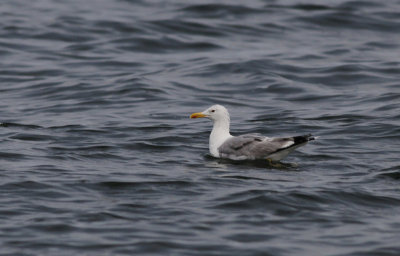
<point>98,156</point>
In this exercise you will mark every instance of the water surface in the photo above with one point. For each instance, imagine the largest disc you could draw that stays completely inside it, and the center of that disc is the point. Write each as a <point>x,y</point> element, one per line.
<point>98,156</point>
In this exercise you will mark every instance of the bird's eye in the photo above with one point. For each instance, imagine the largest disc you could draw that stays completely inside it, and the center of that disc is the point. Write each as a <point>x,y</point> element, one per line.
<point>213,110</point>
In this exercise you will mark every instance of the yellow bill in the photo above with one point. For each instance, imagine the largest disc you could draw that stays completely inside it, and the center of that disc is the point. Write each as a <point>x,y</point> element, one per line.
<point>197,115</point>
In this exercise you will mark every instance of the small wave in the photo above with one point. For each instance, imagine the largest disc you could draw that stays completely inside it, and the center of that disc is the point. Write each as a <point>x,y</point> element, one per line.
<point>18,125</point>
<point>348,20</point>
<point>162,45</point>
<point>31,137</point>
<point>186,27</point>
<point>219,10</point>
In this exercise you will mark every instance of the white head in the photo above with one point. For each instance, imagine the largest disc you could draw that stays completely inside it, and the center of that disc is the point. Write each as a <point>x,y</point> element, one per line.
<point>220,132</point>
<point>215,113</point>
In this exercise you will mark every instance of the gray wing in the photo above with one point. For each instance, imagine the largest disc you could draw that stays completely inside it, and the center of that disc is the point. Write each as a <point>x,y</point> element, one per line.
<point>251,147</point>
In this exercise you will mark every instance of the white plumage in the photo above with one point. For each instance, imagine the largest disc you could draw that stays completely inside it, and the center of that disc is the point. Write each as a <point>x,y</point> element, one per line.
<point>249,146</point>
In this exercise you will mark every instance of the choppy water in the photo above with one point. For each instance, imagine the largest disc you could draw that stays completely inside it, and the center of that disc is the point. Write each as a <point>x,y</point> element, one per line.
<point>98,156</point>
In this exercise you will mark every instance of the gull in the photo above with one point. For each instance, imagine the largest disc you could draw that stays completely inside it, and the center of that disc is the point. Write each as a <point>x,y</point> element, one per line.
<point>248,146</point>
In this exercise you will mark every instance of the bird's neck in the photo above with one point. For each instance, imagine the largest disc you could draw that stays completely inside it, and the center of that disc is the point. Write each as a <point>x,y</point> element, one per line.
<point>219,134</point>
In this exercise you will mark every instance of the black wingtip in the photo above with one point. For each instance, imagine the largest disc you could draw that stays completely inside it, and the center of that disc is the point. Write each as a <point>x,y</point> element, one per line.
<point>303,138</point>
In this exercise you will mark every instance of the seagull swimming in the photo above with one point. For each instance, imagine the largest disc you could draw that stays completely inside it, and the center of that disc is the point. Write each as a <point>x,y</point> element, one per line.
<point>248,146</point>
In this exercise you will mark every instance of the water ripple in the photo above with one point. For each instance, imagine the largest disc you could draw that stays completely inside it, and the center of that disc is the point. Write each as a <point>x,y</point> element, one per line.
<point>99,155</point>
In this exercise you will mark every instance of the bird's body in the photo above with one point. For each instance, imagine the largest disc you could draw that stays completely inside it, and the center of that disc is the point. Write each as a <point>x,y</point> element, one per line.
<point>249,146</point>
